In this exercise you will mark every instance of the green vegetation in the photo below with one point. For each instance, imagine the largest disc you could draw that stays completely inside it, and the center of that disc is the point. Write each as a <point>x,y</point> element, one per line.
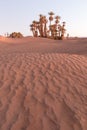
<point>54,31</point>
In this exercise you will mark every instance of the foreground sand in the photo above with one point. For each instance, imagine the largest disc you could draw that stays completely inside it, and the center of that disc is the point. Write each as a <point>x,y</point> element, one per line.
<point>43,84</point>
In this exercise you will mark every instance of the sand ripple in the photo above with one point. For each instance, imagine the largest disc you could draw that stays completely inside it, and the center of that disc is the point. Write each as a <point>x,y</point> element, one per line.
<point>43,91</point>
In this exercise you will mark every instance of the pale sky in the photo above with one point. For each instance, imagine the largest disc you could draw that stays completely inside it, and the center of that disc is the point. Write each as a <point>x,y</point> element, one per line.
<point>17,15</point>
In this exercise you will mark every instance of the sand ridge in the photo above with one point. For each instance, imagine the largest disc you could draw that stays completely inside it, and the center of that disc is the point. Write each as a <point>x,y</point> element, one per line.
<point>42,90</point>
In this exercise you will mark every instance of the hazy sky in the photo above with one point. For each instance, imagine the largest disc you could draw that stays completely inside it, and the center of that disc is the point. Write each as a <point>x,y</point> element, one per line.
<point>17,15</point>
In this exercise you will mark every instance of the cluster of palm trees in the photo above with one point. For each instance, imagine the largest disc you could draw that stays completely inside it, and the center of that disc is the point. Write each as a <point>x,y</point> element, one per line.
<point>40,28</point>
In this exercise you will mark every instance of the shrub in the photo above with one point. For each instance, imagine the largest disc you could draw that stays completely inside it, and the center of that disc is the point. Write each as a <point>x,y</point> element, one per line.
<point>16,35</point>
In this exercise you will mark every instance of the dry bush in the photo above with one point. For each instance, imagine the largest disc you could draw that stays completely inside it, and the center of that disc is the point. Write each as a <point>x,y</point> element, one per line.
<point>15,35</point>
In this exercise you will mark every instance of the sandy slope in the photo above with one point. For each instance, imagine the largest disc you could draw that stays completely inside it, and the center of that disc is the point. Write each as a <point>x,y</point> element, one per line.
<point>43,84</point>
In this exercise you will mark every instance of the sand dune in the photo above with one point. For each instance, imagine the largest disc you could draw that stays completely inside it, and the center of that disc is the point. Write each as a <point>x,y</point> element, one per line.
<point>43,84</point>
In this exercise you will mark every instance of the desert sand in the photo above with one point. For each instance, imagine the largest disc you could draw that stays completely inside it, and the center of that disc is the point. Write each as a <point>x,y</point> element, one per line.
<point>43,84</point>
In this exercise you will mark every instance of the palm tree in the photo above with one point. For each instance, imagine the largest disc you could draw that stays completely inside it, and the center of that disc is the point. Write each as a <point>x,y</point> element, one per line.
<point>57,19</point>
<point>38,26</point>
<point>51,16</point>
<point>59,31</point>
<point>45,26</point>
<point>64,24</point>
<point>35,24</point>
<point>63,30</point>
<point>32,29</point>
<point>52,30</point>
<point>41,20</point>
<point>50,19</point>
